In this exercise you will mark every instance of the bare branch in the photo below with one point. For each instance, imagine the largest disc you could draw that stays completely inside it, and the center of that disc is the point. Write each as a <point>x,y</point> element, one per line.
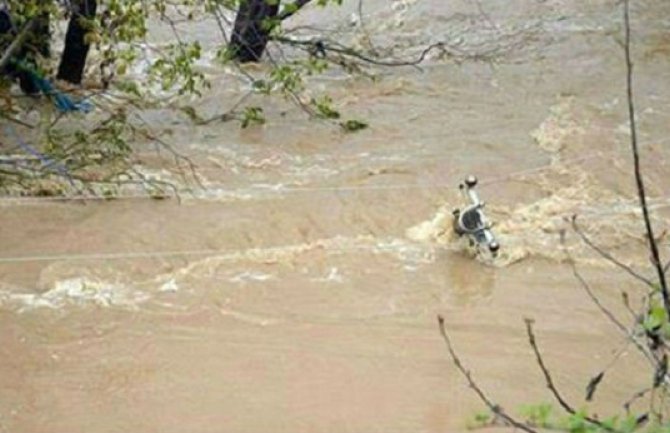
<point>638,395</point>
<point>607,256</point>
<point>550,383</point>
<point>589,291</point>
<point>331,46</point>
<point>593,385</point>
<point>493,407</point>
<point>16,44</point>
<point>626,303</point>
<point>653,246</point>
<point>15,120</point>
<point>229,114</point>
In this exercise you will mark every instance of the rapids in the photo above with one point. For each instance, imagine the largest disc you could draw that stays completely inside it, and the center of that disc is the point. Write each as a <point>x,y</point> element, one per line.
<point>298,291</point>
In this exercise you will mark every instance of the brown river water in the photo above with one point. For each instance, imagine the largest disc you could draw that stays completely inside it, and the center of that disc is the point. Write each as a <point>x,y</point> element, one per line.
<point>299,290</point>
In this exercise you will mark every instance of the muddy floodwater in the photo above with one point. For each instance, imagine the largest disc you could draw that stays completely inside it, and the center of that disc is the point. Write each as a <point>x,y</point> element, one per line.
<point>298,290</point>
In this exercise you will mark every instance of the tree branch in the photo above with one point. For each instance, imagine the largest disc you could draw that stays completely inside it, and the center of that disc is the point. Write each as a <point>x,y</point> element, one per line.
<point>550,383</point>
<point>16,44</point>
<point>296,6</point>
<point>493,407</point>
<point>330,46</point>
<point>587,288</point>
<point>607,256</point>
<point>653,246</point>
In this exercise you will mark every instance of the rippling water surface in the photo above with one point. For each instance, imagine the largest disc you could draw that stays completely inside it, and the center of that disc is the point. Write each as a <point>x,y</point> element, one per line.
<point>299,290</point>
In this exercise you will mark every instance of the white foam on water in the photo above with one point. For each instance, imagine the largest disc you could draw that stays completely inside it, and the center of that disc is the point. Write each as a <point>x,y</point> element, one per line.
<point>249,276</point>
<point>104,287</point>
<point>409,253</point>
<point>76,291</point>
<point>438,229</point>
<point>334,276</point>
<point>555,131</point>
<point>533,229</point>
<point>169,286</point>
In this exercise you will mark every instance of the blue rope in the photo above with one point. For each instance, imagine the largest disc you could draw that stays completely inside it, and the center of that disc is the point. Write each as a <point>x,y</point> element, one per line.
<point>63,102</point>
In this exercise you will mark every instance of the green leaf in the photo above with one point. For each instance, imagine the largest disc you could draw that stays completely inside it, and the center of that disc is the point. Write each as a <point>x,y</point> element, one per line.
<point>252,116</point>
<point>353,125</point>
<point>656,317</point>
<point>479,420</point>
<point>324,108</point>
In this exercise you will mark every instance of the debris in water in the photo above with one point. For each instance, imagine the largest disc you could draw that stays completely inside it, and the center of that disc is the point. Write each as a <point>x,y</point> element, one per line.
<point>472,222</point>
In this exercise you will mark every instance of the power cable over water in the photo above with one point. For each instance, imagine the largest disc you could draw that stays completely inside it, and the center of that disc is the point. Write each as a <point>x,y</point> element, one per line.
<point>658,203</point>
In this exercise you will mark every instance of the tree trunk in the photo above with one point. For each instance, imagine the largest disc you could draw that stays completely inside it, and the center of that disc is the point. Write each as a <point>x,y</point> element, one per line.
<point>73,61</point>
<point>253,25</point>
<point>22,46</point>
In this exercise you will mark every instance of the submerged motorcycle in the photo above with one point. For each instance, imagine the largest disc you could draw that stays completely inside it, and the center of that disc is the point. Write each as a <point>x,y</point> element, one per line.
<point>471,221</point>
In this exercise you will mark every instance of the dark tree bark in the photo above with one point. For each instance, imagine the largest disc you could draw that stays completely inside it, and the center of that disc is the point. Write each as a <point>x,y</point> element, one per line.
<point>22,45</point>
<point>73,61</point>
<point>253,24</point>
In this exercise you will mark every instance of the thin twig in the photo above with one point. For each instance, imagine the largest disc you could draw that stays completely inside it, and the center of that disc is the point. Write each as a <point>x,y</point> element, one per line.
<point>550,383</point>
<point>638,395</point>
<point>589,291</point>
<point>493,407</point>
<point>15,120</point>
<point>330,46</point>
<point>17,43</point>
<point>607,256</point>
<point>626,303</point>
<point>229,114</point>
